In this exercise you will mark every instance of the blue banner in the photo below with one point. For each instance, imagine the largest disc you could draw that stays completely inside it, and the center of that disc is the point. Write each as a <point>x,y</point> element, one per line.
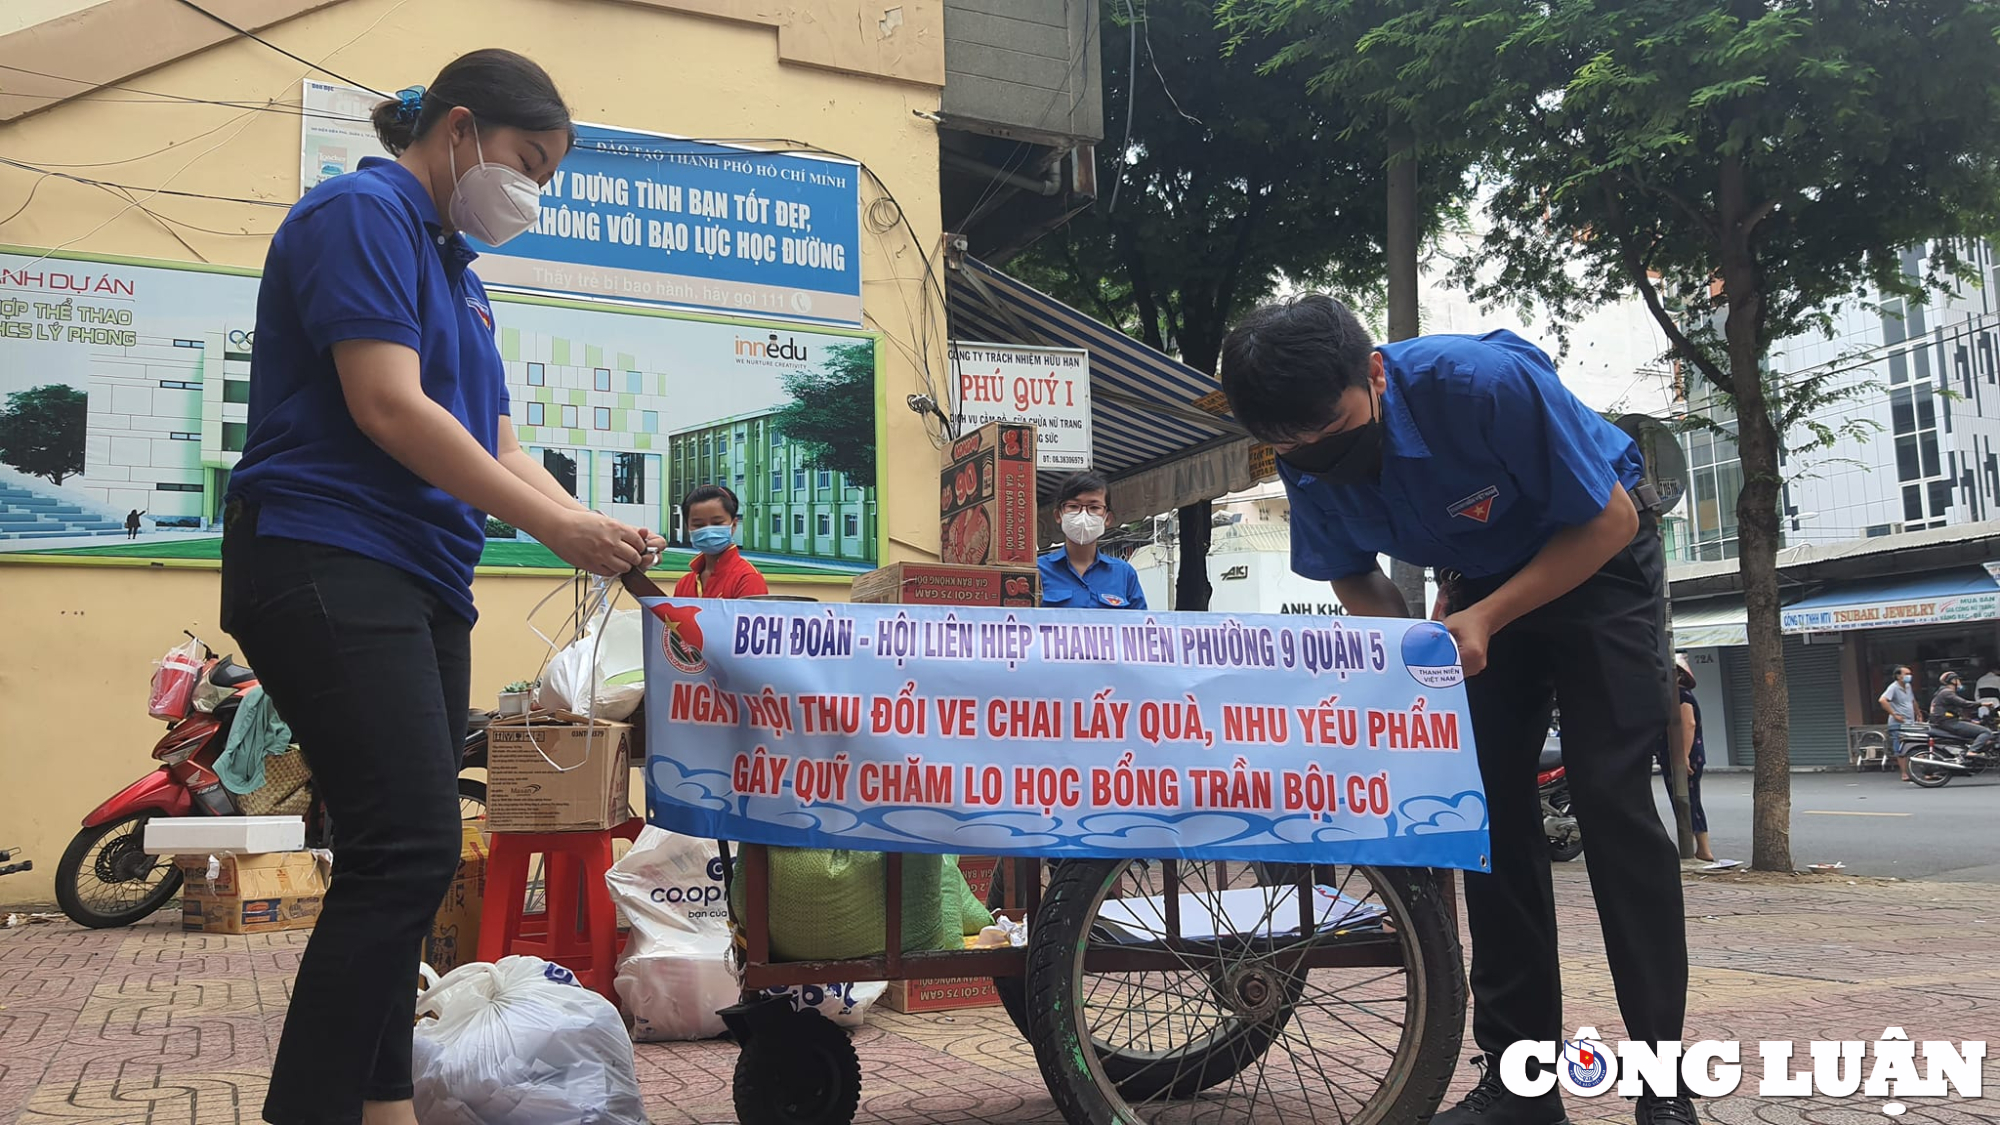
<point>642,217</point>
<point>1061,733</point>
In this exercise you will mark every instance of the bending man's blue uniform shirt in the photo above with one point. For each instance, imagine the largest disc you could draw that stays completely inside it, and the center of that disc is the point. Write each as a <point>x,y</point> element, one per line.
<point>1108,584</point>
<point>1486,456</point>
<point>364,257</point>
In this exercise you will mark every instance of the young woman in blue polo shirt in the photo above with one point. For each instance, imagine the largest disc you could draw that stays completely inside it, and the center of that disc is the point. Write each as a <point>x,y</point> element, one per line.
<point>379,439</point>
<point>1077,575</point>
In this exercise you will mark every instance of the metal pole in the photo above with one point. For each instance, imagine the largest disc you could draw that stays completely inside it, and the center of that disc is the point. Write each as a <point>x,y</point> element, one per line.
<point>1677,774</point>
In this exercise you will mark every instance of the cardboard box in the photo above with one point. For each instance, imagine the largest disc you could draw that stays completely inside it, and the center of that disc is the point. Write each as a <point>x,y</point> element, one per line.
<point>557,773</point>
<point>251,894</point>
<point>945,994</point>
<point>987,503</point>
<point>978,872</point>
<point>940,584</point>
<point>454,938</point>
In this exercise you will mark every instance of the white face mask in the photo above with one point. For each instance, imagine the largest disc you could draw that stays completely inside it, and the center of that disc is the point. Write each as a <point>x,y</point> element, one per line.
<point>492,202</point>
<point>1082,528</point>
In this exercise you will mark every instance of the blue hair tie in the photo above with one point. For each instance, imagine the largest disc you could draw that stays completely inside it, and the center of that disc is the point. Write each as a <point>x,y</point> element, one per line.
<point>410,103</point>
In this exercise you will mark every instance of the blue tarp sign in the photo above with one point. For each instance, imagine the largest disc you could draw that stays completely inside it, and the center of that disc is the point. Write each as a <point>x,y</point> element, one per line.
<point>1061,733</point>
<point>642,217</point>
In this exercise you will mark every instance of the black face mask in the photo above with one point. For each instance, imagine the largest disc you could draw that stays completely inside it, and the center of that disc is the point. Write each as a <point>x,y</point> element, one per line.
<point>1351,456</point>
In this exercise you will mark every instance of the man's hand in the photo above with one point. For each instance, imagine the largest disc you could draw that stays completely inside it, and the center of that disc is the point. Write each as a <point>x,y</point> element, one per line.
<point>654,545</point>
<point>1472,631</point>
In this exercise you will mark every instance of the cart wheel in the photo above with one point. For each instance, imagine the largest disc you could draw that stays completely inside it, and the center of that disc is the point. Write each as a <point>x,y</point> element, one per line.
<point>1358,1023</point>
<point>799,1071</point>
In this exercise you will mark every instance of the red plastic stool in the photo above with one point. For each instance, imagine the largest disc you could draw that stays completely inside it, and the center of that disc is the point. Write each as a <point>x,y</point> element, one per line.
<point>577,928</point>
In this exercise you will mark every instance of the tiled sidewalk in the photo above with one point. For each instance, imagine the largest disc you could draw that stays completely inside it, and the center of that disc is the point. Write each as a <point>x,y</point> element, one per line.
<point>148,1025</point>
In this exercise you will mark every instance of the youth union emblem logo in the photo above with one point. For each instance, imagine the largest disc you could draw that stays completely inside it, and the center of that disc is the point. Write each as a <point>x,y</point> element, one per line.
<point>1431,655</point>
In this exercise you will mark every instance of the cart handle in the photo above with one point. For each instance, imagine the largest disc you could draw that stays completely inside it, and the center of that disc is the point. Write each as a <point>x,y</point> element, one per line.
<point>639,585</point>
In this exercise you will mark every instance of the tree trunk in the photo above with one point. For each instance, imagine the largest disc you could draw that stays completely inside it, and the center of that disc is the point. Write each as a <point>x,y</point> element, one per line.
<point>1401,247</point>
<point>1192,590</point>
<point>1757,527</point>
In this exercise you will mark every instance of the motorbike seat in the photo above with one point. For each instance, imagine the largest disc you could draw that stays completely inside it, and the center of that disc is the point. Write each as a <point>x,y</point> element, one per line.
<point>1551,758</point>
<point>228,673</point>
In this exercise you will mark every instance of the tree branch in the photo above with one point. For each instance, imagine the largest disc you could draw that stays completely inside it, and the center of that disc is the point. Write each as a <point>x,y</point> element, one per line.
<point>1635,269</point>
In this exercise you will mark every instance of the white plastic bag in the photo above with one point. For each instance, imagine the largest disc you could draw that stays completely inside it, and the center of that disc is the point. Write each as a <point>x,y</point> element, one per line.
<point>521,1043</point>
<point>845,1004</point>
<point>676,973</point>
<point>174,678</point>
<point>608,661</point>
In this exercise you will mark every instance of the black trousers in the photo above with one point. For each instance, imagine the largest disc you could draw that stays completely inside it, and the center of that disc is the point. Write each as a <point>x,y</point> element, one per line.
<point>373,673</point>
<point>1599,652</point>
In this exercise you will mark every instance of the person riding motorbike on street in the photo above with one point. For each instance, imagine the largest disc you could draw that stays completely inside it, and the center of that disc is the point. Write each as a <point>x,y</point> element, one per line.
<point>1950,712</point>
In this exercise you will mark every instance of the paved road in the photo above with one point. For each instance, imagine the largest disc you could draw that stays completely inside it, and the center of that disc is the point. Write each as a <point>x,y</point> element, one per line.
<point>1874,823</point>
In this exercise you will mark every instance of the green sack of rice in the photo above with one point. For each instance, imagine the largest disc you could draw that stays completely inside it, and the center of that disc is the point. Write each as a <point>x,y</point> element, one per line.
<point>973,915</point>
<point>831,905</point>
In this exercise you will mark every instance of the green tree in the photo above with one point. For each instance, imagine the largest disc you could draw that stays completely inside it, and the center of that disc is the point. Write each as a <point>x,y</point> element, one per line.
<point>1221,182</point>
<point>1410,76</point>
<point>832,413</point>
<point>41,431</point>
<point>1745,167</point>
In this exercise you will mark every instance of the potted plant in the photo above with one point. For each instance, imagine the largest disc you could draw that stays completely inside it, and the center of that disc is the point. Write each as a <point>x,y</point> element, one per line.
<point>515,696</point>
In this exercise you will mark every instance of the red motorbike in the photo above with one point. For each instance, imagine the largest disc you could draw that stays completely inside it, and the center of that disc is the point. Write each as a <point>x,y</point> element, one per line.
<point>106,877</point>
<point>1558,819</point>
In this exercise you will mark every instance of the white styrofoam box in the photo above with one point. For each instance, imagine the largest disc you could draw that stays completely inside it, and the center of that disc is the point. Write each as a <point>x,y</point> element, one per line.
<point>243,835</point>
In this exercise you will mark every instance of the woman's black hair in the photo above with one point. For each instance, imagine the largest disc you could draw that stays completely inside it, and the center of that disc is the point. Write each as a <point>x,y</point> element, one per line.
<point>498,86</point>
<point>1081,483</point>
<point>704,493</point>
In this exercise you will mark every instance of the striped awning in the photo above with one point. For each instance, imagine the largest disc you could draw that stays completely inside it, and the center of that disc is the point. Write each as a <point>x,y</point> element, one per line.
<point>1143,412</point>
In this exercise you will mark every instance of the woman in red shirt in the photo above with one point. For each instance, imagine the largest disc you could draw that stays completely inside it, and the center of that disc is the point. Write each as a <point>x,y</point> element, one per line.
<point>712,514</point>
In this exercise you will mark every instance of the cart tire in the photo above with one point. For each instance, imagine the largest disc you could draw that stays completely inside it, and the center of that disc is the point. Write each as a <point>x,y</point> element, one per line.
<point>1099,1086</point>
<point>1013,991</point>
<point>802,1071</point>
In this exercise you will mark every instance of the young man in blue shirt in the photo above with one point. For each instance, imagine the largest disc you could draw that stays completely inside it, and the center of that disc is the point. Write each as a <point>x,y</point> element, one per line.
<point>1077,575</point>
<point>1467,454</point>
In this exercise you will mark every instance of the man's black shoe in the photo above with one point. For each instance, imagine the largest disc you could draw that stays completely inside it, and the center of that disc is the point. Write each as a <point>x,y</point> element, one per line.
<point>1654,1110</point>
<point>1490,1103</point>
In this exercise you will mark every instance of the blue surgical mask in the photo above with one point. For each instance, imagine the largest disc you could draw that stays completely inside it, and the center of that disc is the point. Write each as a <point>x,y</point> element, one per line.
<point>712,540</point>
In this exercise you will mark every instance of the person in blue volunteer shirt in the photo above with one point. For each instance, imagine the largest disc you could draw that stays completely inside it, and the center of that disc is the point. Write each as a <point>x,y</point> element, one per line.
<point>1077,575</point>
<point>1467,454</point>
<point>379,440</point>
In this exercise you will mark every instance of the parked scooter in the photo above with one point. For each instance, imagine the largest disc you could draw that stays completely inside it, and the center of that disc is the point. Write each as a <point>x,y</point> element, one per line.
<point>1558,821</point>
<point>1936,756</point>
<point>106,878</point>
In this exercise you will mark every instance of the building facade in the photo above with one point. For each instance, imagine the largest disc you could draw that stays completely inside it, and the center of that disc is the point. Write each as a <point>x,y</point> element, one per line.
<point>791,507</point>
<point>1917,435</point>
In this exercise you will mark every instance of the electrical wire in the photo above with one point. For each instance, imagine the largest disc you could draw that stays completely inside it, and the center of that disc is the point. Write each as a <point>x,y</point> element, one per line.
<point>149,96</point>
<point>254,38</point>
<point>1131,99</point>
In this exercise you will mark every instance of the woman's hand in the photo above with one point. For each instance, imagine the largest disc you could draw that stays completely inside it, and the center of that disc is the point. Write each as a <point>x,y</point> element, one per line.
<point>593,542</point>
<point>654,545</point>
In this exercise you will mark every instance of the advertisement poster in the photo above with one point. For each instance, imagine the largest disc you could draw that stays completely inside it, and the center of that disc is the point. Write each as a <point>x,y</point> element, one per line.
<point>1061,733</point>
<point>125,389</point>
<point>648,217</point>
<point>337,132</point>
<point>1048,388</point>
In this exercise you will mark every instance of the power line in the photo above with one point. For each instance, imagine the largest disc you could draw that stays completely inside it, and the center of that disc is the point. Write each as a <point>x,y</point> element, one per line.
<point>269,106</point>
<point>252,36</point>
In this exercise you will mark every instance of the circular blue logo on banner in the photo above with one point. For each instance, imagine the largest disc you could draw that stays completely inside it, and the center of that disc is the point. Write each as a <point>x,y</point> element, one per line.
<point>1431,655</point>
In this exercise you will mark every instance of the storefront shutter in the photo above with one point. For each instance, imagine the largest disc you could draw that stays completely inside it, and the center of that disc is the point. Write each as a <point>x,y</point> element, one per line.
<point>1736,675</point>
<point>1817,709</point>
